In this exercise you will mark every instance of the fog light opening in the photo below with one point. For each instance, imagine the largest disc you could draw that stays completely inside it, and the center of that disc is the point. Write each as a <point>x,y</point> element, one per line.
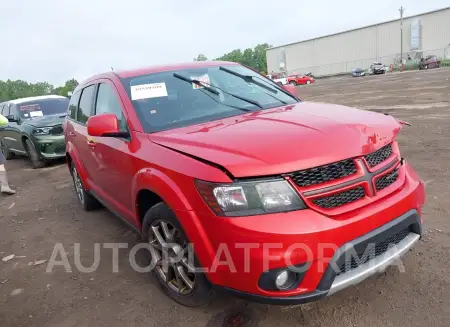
<point>285,279</point>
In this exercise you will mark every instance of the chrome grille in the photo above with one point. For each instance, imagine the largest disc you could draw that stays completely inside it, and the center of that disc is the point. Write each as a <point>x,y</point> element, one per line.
<point>379,156</point>
<point>323,174</point>
<point>339,199</point>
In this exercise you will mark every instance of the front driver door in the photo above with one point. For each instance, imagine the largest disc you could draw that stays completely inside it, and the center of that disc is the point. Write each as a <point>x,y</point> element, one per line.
<point>113,158</point>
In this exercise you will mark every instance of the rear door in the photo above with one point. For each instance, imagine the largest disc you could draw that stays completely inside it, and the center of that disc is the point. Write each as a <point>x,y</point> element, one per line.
<point>76,132</point>
<point>10,133</point>
<point>113,160</point>
<point>14,131</point>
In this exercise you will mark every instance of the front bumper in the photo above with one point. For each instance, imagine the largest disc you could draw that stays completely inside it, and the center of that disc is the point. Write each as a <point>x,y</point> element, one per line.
<point>304,237</point>
<point>50,146</point>
<point>333,282</point>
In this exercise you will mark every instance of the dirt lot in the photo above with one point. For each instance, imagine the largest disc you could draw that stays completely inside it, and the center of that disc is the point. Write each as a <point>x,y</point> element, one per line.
<point>45,212</point>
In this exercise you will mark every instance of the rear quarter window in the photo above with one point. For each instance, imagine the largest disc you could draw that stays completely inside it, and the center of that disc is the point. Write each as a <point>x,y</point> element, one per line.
<point>85,104</point>
<point>73,105</point>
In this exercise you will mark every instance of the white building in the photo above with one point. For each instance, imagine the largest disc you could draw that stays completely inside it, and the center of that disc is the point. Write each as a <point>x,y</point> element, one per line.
<point>427,33</point>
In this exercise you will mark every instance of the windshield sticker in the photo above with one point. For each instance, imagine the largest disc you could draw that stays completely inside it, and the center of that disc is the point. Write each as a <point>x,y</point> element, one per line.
<point>36,114</point>
<point>148,91</point>
<point>30,107</point>
<point>203,79</point>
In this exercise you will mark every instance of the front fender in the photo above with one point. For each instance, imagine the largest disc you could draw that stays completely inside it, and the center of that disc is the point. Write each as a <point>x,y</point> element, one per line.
<point>158,182</point>
<point>168,190</point>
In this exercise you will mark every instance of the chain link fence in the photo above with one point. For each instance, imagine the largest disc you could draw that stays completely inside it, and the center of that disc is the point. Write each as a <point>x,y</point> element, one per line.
<point>411,60</point>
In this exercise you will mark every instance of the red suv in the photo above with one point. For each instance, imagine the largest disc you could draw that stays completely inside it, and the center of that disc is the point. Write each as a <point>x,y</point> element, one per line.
<point>238,185</point>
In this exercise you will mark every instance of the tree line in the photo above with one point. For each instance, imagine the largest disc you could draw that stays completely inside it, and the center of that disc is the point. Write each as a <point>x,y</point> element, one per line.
<point>255,58</point>
<point>10,90</point>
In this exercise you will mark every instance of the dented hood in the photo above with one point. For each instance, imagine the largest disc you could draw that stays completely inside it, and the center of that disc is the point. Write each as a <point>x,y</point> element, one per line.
<point>283,139</point>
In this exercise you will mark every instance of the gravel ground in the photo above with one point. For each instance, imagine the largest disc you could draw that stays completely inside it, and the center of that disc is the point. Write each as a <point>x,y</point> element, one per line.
<point>45,212</point>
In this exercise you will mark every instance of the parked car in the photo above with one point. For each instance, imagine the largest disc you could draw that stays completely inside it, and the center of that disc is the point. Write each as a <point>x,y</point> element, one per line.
<point>276,195</point>
<point>279,78</point>
<point>300,79</point>
<point>35,128</point>
<point>429,62</point>
<point>358,72</point>
<point>377,68</point>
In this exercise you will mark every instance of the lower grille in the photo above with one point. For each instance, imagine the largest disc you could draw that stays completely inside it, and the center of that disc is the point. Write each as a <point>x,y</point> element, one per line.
<point>386,180</point>
<point>60,148</point>
<point>369,253</point>
<point>339,199</point>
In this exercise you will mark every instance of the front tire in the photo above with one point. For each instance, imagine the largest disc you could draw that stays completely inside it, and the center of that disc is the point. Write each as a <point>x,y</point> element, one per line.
<point>294,83</point>
<point>308,82</point>
<point>36,162</point>
<point>176,276</point>
<point>87,201</point>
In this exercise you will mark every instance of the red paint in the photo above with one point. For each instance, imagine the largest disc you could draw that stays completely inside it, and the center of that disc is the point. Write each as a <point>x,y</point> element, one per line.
<point>300,79</point>
<point>102,125</point>
<point>262,143</point>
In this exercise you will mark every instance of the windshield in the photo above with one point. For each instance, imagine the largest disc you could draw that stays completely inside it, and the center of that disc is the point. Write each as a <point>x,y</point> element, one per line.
<point>43,107</point>
<point>165,101</point>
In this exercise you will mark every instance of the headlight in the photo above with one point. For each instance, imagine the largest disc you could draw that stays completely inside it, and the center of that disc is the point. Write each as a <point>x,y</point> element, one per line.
<point>250,198</point>
<point>42,131</point>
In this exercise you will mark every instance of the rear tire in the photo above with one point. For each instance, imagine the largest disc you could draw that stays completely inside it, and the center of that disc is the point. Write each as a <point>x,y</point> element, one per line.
<point>425,67</point>
<point>6,153</point>
<point>36,162</point>
<point>87,201</point>
<point>308,82</point>
<point>294,83</point>
<point>201,292</point>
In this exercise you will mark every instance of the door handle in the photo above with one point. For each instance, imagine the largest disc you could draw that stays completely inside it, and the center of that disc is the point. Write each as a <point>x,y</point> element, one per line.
<point>91,143</point>
<point>73,134</point>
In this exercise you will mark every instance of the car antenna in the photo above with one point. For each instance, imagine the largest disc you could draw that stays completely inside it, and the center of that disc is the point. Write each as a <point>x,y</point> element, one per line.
<point>112,69</point>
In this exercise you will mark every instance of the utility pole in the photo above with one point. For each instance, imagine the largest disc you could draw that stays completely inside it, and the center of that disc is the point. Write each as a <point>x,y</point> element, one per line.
<point>401,34</point>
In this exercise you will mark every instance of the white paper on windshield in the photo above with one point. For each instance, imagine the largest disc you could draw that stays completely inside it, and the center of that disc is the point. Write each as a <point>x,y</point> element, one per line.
<point>203,79</point>
<point>36,114</point>
<point>148,91</point>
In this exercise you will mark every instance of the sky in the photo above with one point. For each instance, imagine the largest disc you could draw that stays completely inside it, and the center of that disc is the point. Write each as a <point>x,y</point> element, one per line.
<point>56,40</point>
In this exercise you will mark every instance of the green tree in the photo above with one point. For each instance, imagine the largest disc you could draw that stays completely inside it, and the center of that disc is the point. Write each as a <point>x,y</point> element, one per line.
<point>200,57</point>
<point>10,90</point>
<point>255,58</point>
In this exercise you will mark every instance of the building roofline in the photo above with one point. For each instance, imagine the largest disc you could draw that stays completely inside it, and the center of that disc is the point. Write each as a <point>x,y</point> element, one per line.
<point>358,28</point>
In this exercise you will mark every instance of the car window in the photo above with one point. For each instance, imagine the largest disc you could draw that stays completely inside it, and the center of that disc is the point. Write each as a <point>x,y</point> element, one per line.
<point>85,105</point>
<point>73,105</point>
<point>6,110</point>
<point>1,109</point>
<point>13,110</point>
<point>107,102</point>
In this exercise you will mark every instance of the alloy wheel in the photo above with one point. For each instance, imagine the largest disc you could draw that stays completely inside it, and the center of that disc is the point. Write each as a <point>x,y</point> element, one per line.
<point>169,252</point>
<point>78,185</point>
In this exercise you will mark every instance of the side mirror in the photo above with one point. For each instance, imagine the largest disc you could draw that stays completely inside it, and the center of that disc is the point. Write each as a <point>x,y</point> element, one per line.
<point>12,119</point>
<point>290,88</point>
<point>105,125</point>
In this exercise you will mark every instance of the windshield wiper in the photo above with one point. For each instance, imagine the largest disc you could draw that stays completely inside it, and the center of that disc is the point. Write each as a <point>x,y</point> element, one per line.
<point>250,79</point>
<point>196,82</point>
<point>212,89</point>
